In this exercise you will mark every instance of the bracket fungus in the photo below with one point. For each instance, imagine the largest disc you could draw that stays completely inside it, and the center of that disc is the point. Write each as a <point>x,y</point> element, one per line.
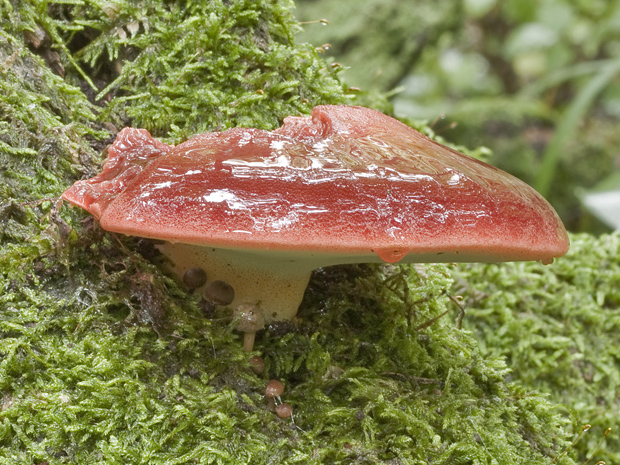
<point>259,210</point>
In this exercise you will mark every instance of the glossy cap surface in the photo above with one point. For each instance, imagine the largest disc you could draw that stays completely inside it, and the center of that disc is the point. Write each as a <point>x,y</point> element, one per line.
<point>345,181</point>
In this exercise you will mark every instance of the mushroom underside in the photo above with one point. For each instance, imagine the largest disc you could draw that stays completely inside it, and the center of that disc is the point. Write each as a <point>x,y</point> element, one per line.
<point>265,289</point>
<point>269,285</point>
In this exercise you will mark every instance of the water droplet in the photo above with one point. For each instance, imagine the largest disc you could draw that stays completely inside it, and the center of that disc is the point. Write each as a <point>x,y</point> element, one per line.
<point>391,255</point>
<point>547,261</point>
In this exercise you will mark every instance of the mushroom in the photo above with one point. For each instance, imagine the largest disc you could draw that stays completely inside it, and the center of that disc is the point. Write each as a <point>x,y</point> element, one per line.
<point>194,278</point>
<point>273,391</point>
<point>257,364</point>
<point>259,210</point>
<point>284,410</point>
<point>251,320</point>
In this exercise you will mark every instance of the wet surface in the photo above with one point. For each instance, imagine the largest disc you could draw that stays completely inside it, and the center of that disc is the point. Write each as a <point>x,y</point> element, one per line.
<point>347,179</point>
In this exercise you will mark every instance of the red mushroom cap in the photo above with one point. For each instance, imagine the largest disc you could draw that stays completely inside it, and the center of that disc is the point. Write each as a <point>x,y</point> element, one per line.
<point>345,181</point>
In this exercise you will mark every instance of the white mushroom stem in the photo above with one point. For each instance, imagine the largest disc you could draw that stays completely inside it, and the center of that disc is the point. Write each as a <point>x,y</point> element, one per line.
<point>251,319</point>
<point>248,340</point>
<point>276,285</point>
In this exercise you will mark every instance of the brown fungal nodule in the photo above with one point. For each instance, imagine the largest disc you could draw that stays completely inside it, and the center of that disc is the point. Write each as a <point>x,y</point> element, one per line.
<point>274,389</point>
<point>219,292</point>
<point>284,410</point>
<point>194,278</point>
<point>257,364</point>
<point>260,210</point>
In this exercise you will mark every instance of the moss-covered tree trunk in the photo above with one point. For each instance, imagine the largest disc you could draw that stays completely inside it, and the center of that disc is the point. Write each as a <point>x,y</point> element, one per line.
<point>105,358</point>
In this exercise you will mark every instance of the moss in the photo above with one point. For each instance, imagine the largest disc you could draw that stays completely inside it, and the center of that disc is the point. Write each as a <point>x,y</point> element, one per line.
<point>42,123</point>
<point>558,327</point>
<point>370,380</point>
<point>105,358</point>
<point>237,58</point>
<point>179,69</point>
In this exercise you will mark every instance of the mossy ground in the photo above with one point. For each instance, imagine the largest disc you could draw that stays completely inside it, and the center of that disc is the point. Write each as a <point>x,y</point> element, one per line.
<point>114,363</point>
<point>558,327</point>
<point>105,358</point>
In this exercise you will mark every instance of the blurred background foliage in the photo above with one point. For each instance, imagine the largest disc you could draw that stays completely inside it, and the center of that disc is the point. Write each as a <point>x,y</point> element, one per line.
<point>536,81</point>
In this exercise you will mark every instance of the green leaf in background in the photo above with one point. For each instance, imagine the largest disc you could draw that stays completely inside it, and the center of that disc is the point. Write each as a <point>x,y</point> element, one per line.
<point>604,200</point>
<point>570,120</point>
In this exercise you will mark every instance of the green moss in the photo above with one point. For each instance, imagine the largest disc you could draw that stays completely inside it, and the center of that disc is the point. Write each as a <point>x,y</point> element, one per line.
<point>42,123</point>
<point>217,65</point>
<point>179,69</point>
<point>104,358</point>
<point>558,327</point>
<point>370,381</point>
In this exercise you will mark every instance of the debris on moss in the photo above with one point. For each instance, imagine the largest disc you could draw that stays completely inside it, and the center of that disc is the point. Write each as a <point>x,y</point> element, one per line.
<point>105,358</point>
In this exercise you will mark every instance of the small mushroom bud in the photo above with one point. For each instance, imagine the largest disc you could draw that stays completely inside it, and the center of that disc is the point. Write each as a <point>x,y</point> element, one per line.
<point>251,319</point>
<point>284,410</point>
<point>257,364</point>
<point>194,278</point>
<point>220,293</point>
<point>274,388</point>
